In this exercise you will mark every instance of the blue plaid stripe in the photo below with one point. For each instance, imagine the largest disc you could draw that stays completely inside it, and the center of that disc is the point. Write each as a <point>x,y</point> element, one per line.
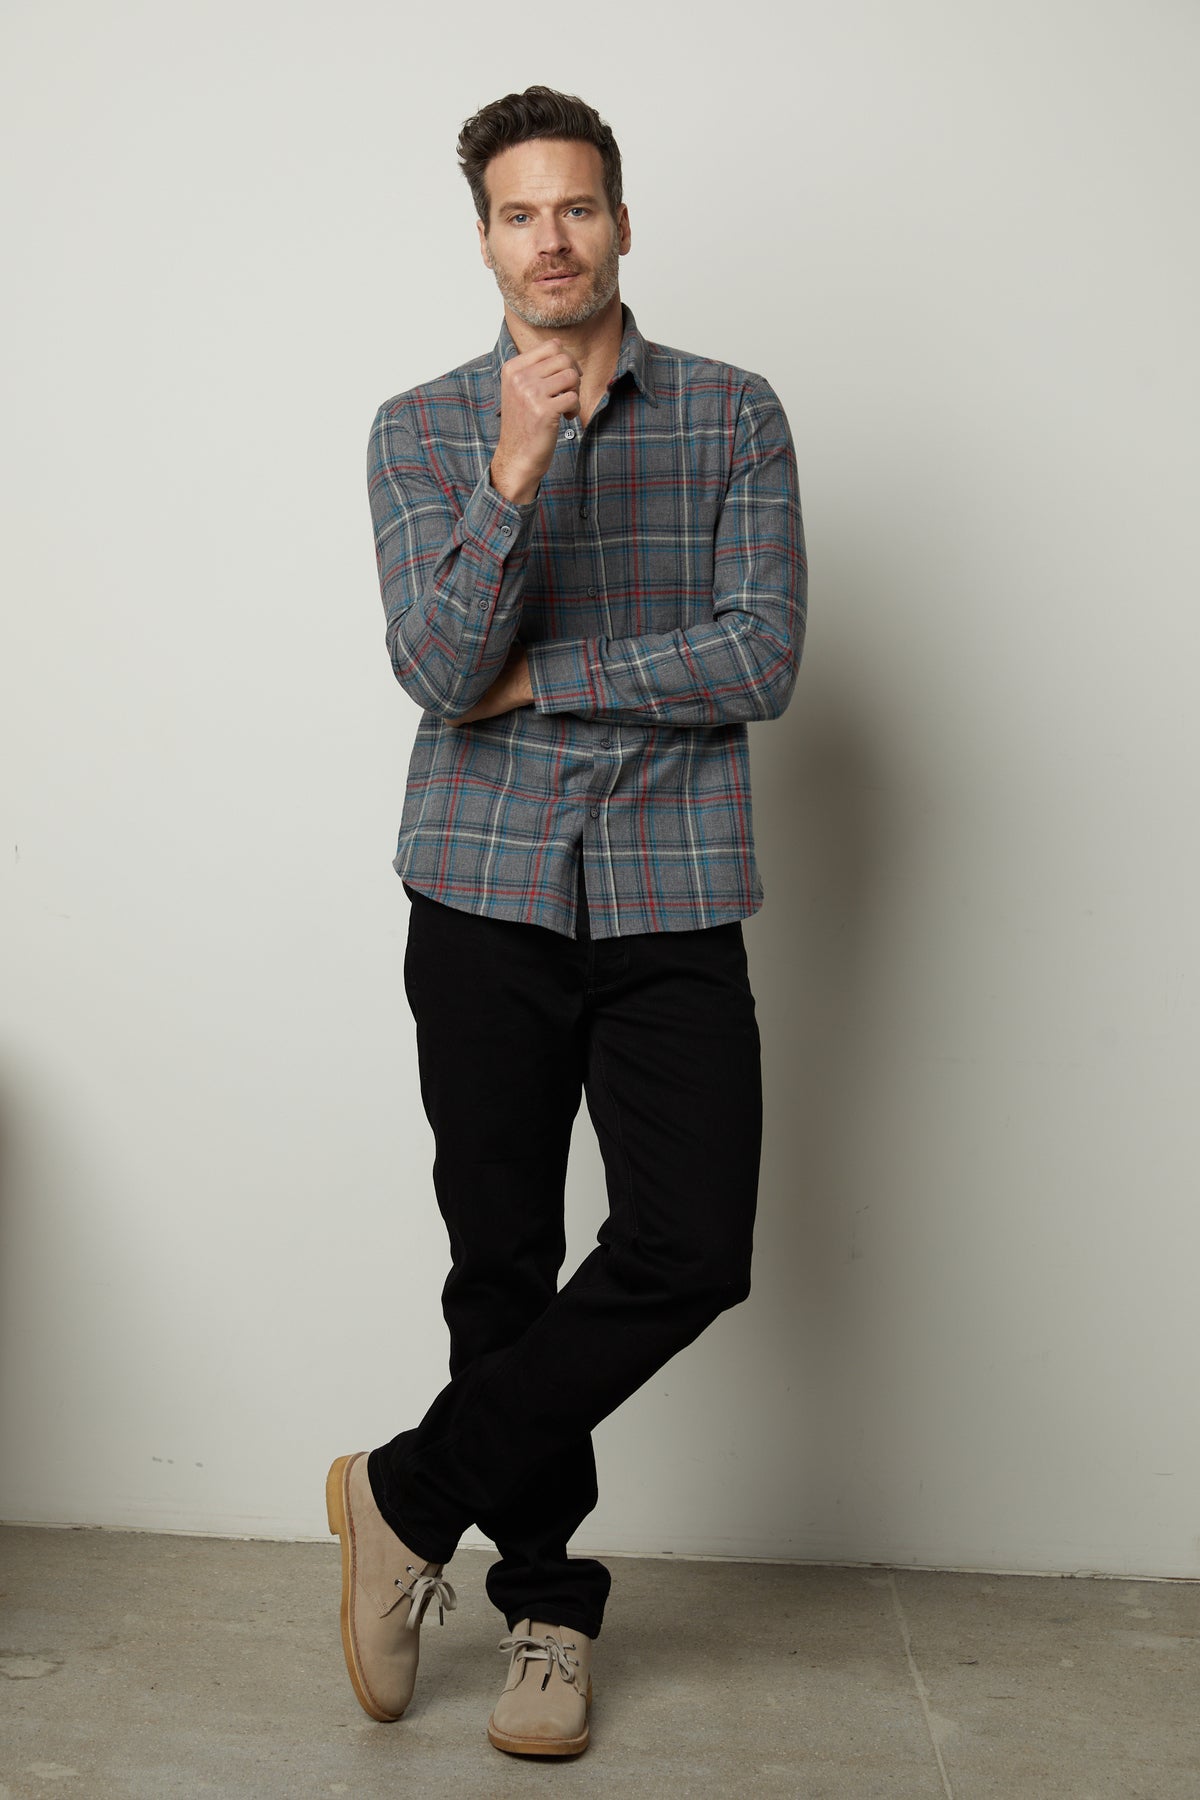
<point>658,583</point>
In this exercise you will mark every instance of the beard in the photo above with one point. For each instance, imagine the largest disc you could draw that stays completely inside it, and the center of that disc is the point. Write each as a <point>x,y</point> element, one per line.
<point>551,310</point>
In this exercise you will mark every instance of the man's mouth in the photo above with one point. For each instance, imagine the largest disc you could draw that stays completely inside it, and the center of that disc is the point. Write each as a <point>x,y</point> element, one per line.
<point>558,275</point>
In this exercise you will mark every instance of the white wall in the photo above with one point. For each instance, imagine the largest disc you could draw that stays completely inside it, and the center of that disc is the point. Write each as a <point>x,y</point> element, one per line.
<point>959,239</point>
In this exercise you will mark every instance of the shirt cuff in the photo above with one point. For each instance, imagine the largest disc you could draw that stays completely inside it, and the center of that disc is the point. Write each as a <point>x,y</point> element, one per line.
<point>498,524</point>
<point>565,674</point>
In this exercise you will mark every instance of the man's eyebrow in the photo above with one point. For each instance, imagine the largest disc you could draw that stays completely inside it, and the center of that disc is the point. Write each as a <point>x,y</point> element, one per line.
<point>528,205</point>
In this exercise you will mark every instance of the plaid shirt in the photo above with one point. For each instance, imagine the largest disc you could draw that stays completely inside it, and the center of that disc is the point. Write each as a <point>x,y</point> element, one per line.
<point>658,582</point>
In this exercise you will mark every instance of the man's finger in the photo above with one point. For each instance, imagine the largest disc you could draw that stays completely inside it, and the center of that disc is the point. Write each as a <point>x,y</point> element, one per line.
<point>562,382</point>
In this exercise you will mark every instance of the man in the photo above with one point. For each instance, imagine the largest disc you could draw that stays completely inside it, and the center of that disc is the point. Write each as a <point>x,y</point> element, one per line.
<point>592,564</point>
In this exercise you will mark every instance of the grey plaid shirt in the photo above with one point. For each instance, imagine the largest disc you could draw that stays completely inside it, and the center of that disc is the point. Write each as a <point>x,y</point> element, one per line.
<point>658,582</point>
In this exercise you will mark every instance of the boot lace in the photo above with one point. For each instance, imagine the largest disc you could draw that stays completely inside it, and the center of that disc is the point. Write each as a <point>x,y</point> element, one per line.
<point>548,1650</point>
<point>423,1589</point>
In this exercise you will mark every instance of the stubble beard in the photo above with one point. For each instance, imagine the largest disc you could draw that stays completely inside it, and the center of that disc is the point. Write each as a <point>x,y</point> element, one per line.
<point>523,298</point>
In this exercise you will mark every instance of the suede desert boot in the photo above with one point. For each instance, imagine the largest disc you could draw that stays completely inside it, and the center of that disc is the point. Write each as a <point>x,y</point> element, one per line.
<point>543,1710</point>
<point>385,1591</point>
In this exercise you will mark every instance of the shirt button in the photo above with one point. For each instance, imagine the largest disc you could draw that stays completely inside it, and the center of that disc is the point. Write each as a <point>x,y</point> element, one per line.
<point>506,531</point>
<point>592,592</point>
<point>606,743</point>
<point>483,605</point>
<point>583,512</point>
<point>595,812</point>
<point>568,434</point>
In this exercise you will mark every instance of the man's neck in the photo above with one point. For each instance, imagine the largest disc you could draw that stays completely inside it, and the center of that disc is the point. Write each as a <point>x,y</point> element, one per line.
<point>595,345</point>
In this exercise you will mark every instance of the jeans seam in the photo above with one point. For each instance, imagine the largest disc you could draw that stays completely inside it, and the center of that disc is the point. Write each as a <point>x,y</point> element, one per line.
<point>625,1162</point>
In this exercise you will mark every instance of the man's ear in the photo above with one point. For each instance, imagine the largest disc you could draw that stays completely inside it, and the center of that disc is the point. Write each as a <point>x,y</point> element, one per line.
<point>483,243</point>
<point>625,237</point>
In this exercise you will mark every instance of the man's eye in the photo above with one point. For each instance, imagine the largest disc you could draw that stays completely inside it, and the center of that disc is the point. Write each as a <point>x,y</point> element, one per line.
<point>516,218</point>
<point>579,209</point>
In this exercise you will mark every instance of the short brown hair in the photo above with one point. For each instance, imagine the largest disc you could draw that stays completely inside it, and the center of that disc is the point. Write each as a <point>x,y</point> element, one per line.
<point>540,112</point>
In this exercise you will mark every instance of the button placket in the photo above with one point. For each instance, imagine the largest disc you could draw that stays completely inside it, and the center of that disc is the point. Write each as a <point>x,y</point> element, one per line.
<point>590,541</point>
<point>583,463</point>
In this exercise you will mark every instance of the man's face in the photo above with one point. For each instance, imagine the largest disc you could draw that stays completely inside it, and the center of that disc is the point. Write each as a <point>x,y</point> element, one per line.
<point>552,243</point>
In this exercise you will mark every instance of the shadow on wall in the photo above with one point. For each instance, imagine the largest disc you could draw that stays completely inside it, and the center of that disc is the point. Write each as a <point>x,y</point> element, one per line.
<point>825,815</point>
<point>39,1368</point>
<point>821,809</point>
<point>21,1361</point>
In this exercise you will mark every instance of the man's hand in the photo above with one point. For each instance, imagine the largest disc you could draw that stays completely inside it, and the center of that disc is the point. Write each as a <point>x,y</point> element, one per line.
<point>536,391</point>
<point>511,689</point>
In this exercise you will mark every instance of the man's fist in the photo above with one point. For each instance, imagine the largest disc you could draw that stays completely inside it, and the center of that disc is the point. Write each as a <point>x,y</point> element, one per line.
<point>536,391</point>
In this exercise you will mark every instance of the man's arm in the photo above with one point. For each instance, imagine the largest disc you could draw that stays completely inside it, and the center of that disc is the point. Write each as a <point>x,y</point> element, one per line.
<point>452,583</point>
<point>743,663</point>
<point>451,580</point>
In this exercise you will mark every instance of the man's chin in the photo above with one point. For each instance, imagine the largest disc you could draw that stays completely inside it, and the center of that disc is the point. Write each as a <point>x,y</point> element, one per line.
<point>561,309</point>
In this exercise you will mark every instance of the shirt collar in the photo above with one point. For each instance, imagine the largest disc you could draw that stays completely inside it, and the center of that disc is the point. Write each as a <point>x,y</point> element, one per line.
<point>633,359</point>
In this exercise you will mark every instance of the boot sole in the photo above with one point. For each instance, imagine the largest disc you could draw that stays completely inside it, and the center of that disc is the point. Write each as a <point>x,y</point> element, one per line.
<point>525,1746</point>
<point>339,1526</point>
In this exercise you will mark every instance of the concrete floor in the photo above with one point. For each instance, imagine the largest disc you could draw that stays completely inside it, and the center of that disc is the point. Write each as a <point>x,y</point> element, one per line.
<point>140,1667</point>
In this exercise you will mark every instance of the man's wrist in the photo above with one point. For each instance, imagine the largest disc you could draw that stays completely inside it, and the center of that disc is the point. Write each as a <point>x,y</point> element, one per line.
<point>522,686</point>
<point>514,484</point>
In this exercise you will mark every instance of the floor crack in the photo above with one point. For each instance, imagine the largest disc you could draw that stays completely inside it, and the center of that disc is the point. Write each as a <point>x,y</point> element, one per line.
<point>918,1682</point>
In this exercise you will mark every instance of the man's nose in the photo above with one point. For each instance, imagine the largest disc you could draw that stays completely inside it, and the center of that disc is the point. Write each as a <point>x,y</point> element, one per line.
<point>549,236</point>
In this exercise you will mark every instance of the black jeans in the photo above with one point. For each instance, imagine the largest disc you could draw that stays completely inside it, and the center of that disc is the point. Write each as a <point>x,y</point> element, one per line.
<point>514,1022</point>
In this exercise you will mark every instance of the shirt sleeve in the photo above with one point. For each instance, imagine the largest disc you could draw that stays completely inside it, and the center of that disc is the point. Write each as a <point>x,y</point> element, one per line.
<point>451,576</point>
<point>741,664</point>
